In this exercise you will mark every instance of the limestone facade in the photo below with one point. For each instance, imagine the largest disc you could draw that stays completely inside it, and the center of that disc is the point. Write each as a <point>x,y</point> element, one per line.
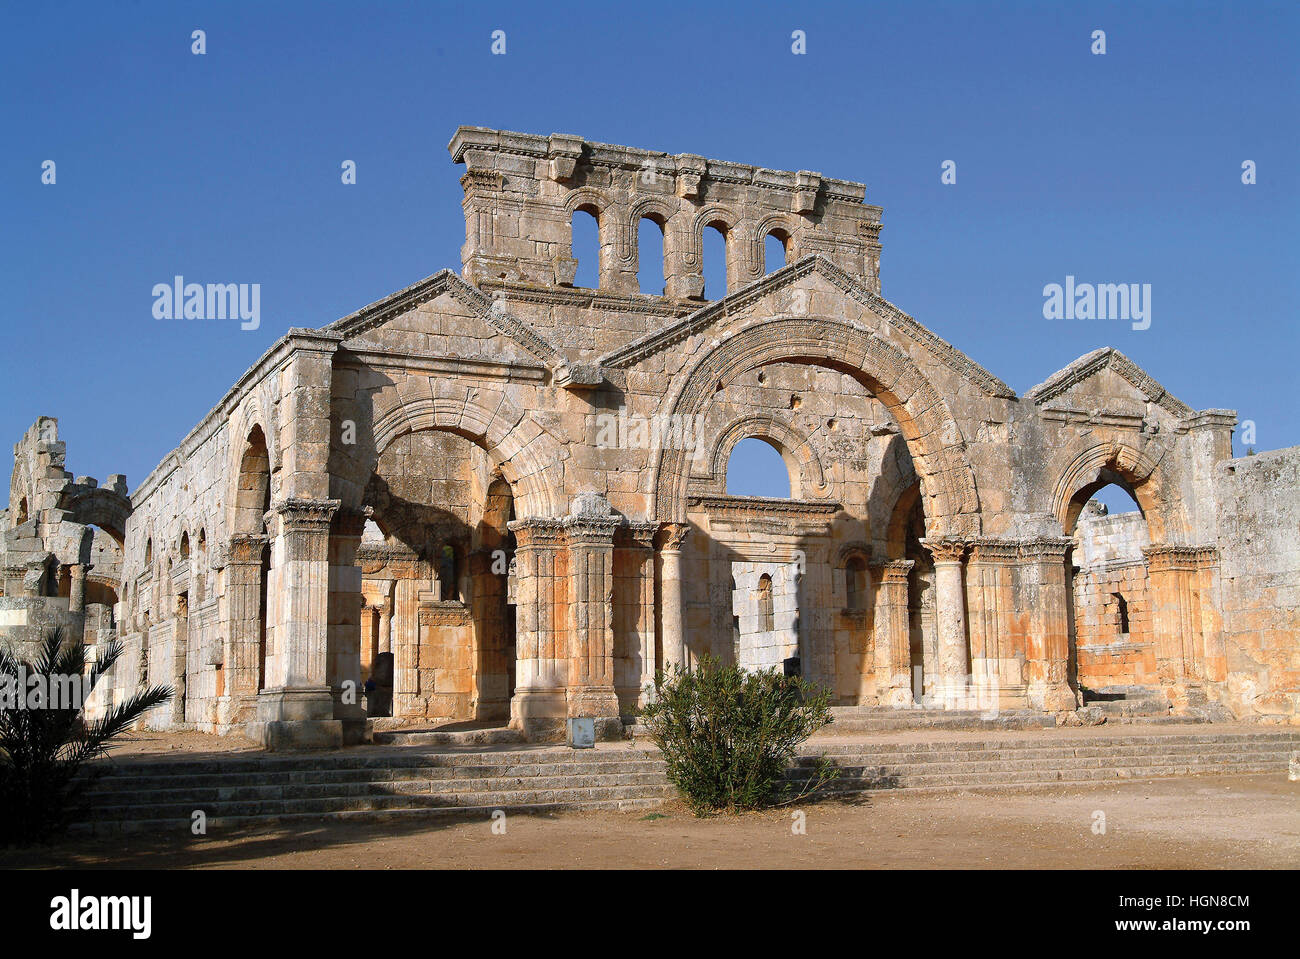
<point>497,496</point>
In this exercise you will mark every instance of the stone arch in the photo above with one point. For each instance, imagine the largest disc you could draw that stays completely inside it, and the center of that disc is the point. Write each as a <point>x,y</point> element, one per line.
<point>656,208</point>
<point>693,256</point>
<point>524,453</point>
<point>807,474</point>
<point>251,478</point>
<point>590,200</point>
<point>947,478</point>
<point>1135,470</point>
<point>785,226</point>
<point>899,517</point>
<point>102,507</point>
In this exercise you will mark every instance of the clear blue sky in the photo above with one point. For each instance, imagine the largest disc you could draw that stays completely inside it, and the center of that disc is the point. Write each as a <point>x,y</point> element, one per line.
<point>226,168</point>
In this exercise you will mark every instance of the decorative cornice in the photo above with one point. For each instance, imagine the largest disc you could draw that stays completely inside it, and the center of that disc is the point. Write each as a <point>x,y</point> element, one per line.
<point>762,505</point>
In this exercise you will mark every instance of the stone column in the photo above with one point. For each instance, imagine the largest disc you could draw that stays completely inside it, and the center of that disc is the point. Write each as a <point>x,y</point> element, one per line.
<point>243,663</point>
<point>589,531</point>
<point>893,645</point>
<point>77,589</point>
<point>950,619</point>
<point>1048,653</point>
<point>180,658</point>
<point>296,710</point>
<point>670,594</point>
<point>385,607</point>
<point>538,706</point>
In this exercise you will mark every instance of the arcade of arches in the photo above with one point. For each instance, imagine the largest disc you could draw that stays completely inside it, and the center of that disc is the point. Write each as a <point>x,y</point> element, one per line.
<point>501,496</point>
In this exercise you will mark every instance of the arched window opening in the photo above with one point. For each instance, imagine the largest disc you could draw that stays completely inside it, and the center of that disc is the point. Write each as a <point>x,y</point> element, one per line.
<point>148,555</point>
<point>585,248</point>
<point>774,251</point>
<point>185,545</point>
<point>755,468</point>
<point>1116,499</point>
<point>448,574</point>
<point>855,583</point>
<point>766,615</point>
<point>1121,605</point>
<point>714,248</point>
<point>650,256</point>
<point>21,517</point>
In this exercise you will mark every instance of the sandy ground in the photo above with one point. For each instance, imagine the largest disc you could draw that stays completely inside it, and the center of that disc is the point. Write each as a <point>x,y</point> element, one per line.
<point>1195,822</point>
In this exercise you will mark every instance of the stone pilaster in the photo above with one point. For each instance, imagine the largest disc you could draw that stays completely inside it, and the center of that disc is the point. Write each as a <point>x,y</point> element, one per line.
<point>1178,577</point>
<point>893,645</point>
<point>343,665</point>
<point>1048,646</point>
<point>950,620</point>
<point>670,581</point>
<point>634,612</point>
<point>589,532</point>
<point>538,706</point>
<point>997,658</point>
<point>296,710</point>
<point>244,660</point>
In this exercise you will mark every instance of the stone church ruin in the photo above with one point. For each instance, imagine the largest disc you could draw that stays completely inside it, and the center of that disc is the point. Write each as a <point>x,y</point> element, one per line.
<point>412,516</point>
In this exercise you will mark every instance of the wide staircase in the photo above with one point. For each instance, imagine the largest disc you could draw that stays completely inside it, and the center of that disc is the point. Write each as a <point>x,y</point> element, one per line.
<point>419,783</point>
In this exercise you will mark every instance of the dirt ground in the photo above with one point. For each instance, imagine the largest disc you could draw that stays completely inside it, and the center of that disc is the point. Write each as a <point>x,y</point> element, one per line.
<point>1196,822</point>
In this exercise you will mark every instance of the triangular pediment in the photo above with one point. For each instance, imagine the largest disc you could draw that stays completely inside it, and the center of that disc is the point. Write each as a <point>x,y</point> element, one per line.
<point>1107,380</point>
<point>816,274</point>
<point>444,315</point>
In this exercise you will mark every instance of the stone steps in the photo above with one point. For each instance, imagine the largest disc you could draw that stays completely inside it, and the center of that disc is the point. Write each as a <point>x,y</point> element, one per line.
<point>862,719</point>
<point>368,785</point>
<point>440,737</point>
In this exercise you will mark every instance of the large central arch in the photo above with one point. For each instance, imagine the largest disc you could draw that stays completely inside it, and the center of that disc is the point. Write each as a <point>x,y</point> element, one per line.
<point>947,479</point>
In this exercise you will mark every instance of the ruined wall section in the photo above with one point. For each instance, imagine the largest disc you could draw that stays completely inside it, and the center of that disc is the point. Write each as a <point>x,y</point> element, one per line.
<point>521,192</point>
<point>1259,546</point>
<point>1112,608</point>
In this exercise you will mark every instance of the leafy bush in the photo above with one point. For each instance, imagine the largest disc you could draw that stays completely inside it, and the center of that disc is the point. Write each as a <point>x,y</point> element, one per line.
<point>42,749</point>
<point>728,735</point>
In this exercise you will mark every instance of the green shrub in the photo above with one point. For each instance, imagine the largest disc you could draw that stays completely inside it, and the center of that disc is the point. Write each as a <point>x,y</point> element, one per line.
<point>729,735</point>
<point>42,749</point>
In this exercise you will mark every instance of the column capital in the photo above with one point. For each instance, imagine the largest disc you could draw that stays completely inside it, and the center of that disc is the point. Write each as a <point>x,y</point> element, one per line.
<point>945,549</point>
<point>672,535</point>
<point>536,532</point>
<point>988,550</point>
<point>636,535</point>
<point>1046,549</point>
<point>896,570</point>
<point>245,549</point>
<point>306,514</point>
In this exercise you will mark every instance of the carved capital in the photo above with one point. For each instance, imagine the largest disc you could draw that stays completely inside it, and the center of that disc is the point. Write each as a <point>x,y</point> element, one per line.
<point>245,549</point>
<point>671,536</point>
<point>306,515</point>
<point>537,533</point>
<point>896,571</point>
<point>945,549</point>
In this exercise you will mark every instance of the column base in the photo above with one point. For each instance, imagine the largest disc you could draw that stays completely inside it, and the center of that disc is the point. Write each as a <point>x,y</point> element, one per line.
<point>599,703</point>
<point>298,718</point>
<point>539,714</point>
<point>1052,698</point>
